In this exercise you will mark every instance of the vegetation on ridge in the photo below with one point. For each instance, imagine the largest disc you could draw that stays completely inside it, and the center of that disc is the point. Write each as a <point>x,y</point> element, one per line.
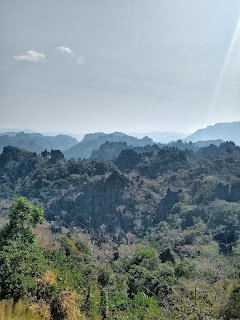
<point>154,235</point>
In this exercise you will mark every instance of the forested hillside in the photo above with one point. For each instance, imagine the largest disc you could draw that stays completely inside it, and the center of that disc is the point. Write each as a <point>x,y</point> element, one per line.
<point>153,234</point>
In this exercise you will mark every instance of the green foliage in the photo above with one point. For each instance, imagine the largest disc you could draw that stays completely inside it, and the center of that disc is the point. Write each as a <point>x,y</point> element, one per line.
<point>146,257</point>
<point>66,245</point>
<point>232,309</point>
<point>71,270</point>
<point>83,246</point>
<point>20,258</point>
<point>203,190</point>
<point>140,307</point>
<point>192,236</point>
<point>224,220</point>
<point>162,236</point>
<point>177,208</point>
<point>183,270</point>
<point>22,217</point>
<point>104,276</point>
<point>236,271</point>
<point>18,286</point>
<point>24,213</point>
<point>104,303</point>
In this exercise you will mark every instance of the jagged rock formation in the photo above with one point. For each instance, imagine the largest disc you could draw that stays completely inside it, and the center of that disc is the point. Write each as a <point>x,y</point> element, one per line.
<point>138,191</point>
<point>109,150</point>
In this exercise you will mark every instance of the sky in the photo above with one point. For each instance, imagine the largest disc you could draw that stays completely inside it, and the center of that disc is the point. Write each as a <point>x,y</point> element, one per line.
<point>78,66</point>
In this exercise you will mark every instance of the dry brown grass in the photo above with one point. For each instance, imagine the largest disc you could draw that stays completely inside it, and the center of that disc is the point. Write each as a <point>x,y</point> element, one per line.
<point>69,306</point>
<point>49,277</point>
<point>42,309</point>
<point>45,238</point>
<point>19,311</point>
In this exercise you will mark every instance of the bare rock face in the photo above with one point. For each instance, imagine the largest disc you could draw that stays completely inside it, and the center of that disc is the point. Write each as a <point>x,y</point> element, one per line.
<point>167,203</point>
<point>17,162</point>
<point>235,192</point>
<point>97,203</point>
<point>222,191</point>
<point>228,192</point>
<point>56,155</point>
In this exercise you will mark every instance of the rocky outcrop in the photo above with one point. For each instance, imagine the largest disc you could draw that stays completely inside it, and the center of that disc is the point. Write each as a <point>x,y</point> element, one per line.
<point>167,203</point>
<point>95,204</point>
<point>234,195</point>
<point>222,192</point>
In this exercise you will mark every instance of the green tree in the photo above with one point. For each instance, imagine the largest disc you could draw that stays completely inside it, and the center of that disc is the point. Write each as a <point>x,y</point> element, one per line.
<point>83,246</point>
<point>224,221</point>
<point>104,303</point>
<point>20,258</point>
<point>22,217</point>
<point>146,257</point>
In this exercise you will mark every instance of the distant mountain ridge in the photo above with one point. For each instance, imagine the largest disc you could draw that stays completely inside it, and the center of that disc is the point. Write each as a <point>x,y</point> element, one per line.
<point>90,145</point>
<point>36,142</point>
<point>93,142</point>
<point>163,137</point>
<point>96,135</point>
<point>225,131</point>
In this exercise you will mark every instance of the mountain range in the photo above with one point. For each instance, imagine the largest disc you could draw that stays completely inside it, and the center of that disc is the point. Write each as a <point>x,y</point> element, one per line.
<point>36,142</point>
<point>154,227</point>
<point>90,145</point>
<point>225,131</point>
<point>163,137</point>
<point>93,142</point>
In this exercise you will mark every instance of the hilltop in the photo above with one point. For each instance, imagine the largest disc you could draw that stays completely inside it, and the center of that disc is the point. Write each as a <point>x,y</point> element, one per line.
<point>225,131</point>
<point>93,142</point>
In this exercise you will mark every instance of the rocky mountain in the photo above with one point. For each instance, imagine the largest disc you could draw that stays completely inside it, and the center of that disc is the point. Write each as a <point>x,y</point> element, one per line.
<point>93,142</point>
<point>193,146</point>
<point>163,137</point>
<point>36,142</point>
<point>133,193</point>
<point>225,131</point>
<point>111,150</point>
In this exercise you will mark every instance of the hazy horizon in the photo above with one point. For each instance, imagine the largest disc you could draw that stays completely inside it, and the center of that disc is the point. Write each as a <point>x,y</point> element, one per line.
<point>80,135</point>
<point>104,66</point>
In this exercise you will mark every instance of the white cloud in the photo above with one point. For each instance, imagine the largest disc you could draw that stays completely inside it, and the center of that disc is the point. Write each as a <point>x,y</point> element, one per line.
<point>79,59</point>
<point>65,49</point>
<point>30,55</point>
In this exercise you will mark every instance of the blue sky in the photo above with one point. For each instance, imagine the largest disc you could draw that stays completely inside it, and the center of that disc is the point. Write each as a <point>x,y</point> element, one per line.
<point>130,65</point>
